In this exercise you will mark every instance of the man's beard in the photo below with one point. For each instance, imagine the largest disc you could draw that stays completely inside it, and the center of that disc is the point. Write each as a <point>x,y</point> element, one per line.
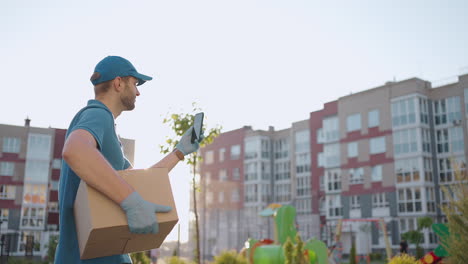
<point>128,101</point>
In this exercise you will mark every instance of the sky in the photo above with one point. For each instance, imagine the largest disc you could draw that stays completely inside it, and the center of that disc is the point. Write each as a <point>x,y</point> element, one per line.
<point>245,62</point>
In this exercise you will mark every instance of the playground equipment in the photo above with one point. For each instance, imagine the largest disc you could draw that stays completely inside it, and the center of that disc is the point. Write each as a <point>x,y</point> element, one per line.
<point>337,251</point>
<point>439,253</point>
<point>271,251</point>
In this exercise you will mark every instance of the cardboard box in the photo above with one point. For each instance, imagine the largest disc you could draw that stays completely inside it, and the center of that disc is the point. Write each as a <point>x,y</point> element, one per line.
<point>102,225</point>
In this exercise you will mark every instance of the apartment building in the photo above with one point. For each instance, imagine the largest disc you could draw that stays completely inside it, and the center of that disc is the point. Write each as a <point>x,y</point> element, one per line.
<point>382,153</point>
<point>30,162</point>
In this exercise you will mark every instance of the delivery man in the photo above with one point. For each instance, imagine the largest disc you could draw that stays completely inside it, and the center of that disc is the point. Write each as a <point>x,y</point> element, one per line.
<point>93,153</point>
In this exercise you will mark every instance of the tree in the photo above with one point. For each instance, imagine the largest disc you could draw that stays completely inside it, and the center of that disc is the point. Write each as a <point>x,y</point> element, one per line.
<point>288,249</point>
<point>417,236</point>
<point>298,253</point>
<point>180,123</point>
<point>352,254</point>
<point>140,258</point>
<point>51,248</point>
<point>457,216</point>
<point>230,257</point>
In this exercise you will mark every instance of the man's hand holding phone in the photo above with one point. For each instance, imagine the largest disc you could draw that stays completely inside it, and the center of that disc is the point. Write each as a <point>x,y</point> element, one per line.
<point>191,139</point>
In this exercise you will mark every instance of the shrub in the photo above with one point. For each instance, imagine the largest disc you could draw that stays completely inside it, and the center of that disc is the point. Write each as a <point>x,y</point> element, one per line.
<point>176,260</point>
<point>403,259</point>
<point>140,258</point>
<point>288,249</point>
<point>229,257</point>
<point>298,252</point>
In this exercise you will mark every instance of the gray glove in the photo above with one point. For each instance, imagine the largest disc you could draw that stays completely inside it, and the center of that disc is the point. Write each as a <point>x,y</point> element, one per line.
<point>141,214</point>
<point>185,144</point>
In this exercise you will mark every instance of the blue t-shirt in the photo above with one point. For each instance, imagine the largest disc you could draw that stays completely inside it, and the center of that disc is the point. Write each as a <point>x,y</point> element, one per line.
<point>98,120</point>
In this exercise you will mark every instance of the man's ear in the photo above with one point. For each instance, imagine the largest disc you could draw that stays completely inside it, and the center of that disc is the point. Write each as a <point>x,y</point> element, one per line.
<point>118,84</point>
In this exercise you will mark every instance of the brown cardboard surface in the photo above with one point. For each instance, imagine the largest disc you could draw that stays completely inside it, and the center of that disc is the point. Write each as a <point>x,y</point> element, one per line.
<point>102,225</point>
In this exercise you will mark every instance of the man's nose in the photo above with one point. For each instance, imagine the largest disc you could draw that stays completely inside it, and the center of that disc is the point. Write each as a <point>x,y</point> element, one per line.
<point>137,92</point>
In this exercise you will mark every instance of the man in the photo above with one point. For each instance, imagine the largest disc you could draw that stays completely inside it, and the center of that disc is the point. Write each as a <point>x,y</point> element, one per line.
<point>403,246</point>
<point>93,153</point>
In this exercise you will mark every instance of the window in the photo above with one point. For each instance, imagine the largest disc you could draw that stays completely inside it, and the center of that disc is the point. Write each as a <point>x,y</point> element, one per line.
<point>7,168</point>
<point>331,129</point>
<point>356,176</point>
<point>379,200</point>
<point>56,164</point>
<point>353,122</point>
<point>221,197</point>
<point>447,168</point>
<point>334,206</point>
<point>222,152</point>
<point>333,180</point>
<point>222,175</point>
<point>265,170</point>
<point>39,147</point>
<point>352,149</point>
<point>32,217</point>
<point>235,173</point>
<point>424,112</point>
<point>235,152</point>
<point>37,171</point>
<point>54,185</point>
<point>426,140</point>
<point>376,173</point>
<point>235,196</point>
<point>428,170</point>
<point>377,145</point>
<point>35,194</point>
<point>302,141</point>
<point>7,192</point>
<point>281,148</point>
<point>403,112</point>
<point>265,149</point>
<point>320,136</point>
<point>303,163</point>
<point>208,178</point>
<point>332,155</point>
<point>251,193</point>
<point>321,160</point>
<point>252,146</point>
<point>303,186</point>
<point>282,170</point>
<point>354,202</point>
<point>11,145</point>
<point>373,118</point>
<point>466,100</point>
<point>283,192</point>
<point>53,207</point>
<point>265,192</point>
<point>250,171</point>
<point>407,170</point>
<point>322,183</point>
<point>450,140</point>
<point>4,212</point>
<point>447,110</point>
<point>209,197</point>
<point>405,141</point>
<point>409,200</point>
<point>209,157</point>
<point>430,197</point>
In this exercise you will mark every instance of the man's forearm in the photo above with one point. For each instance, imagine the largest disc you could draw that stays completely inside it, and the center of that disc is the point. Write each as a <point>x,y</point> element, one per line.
<point>89,164</point>
<point>168,162</point>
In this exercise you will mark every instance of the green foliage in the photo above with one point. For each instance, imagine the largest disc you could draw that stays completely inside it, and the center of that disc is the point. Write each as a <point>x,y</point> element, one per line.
<point>140,258</point>
<point>176,260</point>
<point>298,253</point>
<point>352,254</point>
<point>179,123</point>
<point>229,257</point>
<point>457,215</point>
<point>51,247</point>
<point>419,252</point>
<point>375,256</point>
<point>288,249</point>
<point>425,222</point>
<point>417,236</point>
<point>21,260</point>
<point>403,259</point>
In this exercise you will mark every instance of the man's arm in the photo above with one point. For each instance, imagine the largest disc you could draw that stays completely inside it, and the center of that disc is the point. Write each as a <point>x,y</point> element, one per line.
<point>81,154</point>
<point>169,161</point>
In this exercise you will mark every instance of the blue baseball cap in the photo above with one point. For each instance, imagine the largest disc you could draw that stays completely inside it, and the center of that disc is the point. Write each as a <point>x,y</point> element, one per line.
<point>114,66</point>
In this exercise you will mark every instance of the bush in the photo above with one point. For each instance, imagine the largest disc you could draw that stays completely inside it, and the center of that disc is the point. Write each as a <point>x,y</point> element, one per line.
<point>403,259</point>
<point>140,258</point>
<point>288,249</point>
<point>375,256</point>
<point>176,260</point>
<point>16,260</point>
<point>229,257</point>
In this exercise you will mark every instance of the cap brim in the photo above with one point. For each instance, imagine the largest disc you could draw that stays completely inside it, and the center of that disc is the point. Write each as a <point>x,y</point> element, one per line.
<point>142,78</point>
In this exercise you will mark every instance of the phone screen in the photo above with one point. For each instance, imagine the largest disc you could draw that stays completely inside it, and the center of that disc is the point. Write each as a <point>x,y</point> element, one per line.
<point>197,126</point>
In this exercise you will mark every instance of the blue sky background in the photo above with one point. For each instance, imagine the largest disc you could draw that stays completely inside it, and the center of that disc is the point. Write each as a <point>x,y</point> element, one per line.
<point>245,62</point>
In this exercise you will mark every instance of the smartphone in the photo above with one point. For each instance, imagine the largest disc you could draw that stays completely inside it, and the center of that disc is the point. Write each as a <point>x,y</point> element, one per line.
<point>197,126</point>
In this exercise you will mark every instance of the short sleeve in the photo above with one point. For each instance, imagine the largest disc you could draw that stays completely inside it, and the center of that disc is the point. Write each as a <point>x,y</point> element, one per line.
<point>127,164</point>
<point>96,121</point>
